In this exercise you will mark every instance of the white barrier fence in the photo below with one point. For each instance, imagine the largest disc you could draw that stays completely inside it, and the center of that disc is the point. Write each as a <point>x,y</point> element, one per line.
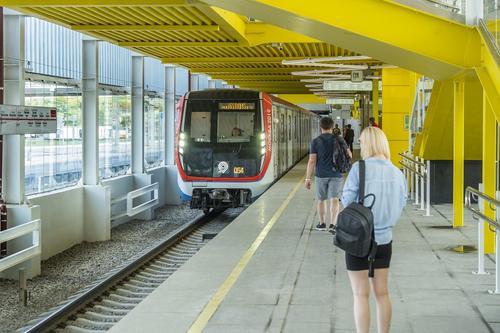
<point>32,227</point>
<point>418,174</point>
<point>470,194</point>
<point>132,210</point>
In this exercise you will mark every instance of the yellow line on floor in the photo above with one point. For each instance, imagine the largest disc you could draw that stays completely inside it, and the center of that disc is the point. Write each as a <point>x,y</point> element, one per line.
<point>212,306</point>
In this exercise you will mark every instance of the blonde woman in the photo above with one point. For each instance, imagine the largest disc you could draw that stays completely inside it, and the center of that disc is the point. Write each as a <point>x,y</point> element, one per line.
<point>388,184</point>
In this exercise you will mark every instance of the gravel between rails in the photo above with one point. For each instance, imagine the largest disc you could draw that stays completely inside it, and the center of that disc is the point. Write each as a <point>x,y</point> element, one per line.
<point>69,271</point>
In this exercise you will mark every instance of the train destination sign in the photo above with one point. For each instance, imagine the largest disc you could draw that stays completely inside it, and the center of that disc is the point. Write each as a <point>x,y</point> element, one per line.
<point>236,106</point>
<point>19,119</point>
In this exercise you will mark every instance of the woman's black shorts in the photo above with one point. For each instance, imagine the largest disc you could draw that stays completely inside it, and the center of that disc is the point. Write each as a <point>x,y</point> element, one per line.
<point>382,259</point>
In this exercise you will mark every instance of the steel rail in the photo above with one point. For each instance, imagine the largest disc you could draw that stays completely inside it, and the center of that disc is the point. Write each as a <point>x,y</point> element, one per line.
<point>489,39</point>
<point>53,320</point>
<point>471,192</point>
<point>412,159</point>
<point>411,169</point>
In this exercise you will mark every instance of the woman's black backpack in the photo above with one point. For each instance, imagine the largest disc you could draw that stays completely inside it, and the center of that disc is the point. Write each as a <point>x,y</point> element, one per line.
<point>355,232</point>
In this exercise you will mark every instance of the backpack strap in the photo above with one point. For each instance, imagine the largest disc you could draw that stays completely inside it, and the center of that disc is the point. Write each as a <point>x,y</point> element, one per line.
<point>361,181</point>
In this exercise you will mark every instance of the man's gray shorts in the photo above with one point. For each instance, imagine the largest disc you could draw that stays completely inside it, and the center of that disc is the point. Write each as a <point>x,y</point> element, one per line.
<point>328,188</point>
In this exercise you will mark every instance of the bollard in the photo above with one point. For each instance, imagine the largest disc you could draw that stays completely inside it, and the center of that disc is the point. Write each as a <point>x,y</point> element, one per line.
<point>417,186</point>
<point>480,237</point>
<point>428,189</point>
<point>422,185</point>
<point>23,289</point>
<point>497,254</point>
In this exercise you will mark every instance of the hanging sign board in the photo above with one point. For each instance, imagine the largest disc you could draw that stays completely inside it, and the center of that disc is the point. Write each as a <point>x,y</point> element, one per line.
<point>18,119</point>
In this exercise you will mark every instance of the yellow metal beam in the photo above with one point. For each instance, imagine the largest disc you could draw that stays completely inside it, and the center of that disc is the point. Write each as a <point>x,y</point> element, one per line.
<point>489,169</point>
<point>230,22</point>
<point>250,78</point>
<point>234,70</point>
<point>135,27</point>
<point>302,98</point>
<point>458,152</point>
<point>95,3</point>
<point>179,44</point>
<point>218,60</point>
<point>262,33</point>
<point>439,48</point>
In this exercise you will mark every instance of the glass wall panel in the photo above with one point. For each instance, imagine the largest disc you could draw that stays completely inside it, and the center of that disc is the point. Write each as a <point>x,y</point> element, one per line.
<point>115,133</point>
<point>154,130</point>
<point>492,17</point>
<point>54,160</point>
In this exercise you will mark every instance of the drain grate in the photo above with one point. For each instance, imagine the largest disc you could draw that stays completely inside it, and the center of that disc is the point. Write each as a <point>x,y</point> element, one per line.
<point>464,249</point>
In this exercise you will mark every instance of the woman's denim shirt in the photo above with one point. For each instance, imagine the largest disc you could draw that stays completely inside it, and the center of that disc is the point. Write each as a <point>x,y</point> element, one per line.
<point>388,184</point>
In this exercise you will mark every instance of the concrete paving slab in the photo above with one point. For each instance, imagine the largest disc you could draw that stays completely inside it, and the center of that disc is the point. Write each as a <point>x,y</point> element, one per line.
<point>297,281</point>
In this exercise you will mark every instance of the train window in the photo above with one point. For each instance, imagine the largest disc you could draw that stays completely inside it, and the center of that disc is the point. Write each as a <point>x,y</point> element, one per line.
<point>235,126</point>
<point>200,126</point>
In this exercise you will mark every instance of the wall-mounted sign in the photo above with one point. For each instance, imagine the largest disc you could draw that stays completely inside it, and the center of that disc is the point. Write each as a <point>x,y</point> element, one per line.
<point>357,76</point>
<point>18,119</point>
<point>406,122</point>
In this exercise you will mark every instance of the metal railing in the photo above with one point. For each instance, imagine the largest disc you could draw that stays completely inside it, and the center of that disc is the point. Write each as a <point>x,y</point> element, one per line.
<point>478,213</point>
<point>132,210</point>
<point>32,227</point>
<point>418,174</point>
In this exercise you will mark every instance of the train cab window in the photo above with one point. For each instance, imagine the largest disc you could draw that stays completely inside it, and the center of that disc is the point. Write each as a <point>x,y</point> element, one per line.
<point>200,126</point>
<point>235,126</point>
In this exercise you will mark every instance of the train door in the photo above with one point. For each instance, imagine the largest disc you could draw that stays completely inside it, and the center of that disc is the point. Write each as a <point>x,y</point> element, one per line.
<point>282,134</point>
<point>290,139</point>
<point>276,142</point>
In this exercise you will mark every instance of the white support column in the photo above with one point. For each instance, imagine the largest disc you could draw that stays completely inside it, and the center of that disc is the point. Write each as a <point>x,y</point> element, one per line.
<point>97,198</point>
<point>90,111</point>
<point>13,149</point>
<point>137,114</point>
<point>172,194</point>
<point>194,82</point>
<point>212,84</point>
<point>169,115</point>
<point>18,211</point>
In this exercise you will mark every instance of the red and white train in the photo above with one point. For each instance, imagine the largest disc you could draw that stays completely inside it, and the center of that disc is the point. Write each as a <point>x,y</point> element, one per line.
<point>233,144</point>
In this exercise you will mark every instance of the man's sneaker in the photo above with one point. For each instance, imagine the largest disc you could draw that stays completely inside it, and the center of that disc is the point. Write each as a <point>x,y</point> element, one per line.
<point>332,229</point>
<point>321,227</point>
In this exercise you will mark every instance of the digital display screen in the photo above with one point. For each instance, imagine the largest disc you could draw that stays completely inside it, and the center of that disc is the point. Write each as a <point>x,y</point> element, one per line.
<point>236,106</point>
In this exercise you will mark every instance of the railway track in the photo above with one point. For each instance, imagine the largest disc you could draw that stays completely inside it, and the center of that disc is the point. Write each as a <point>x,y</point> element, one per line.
<point>101,305</point>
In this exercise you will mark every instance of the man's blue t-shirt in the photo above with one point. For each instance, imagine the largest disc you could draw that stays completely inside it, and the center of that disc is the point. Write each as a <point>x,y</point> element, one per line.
<point>323,147</point>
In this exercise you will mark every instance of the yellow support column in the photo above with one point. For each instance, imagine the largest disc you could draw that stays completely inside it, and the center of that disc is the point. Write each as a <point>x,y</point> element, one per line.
<point>458,153</point>
<point>375,100</point>
<point>398,94</point>
<point>489,168</point>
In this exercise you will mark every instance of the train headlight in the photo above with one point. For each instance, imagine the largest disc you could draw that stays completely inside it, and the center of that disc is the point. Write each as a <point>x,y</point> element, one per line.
<point>263,151</point>
<point>263,143</point>
<point>181,151</point>
<point>263,136</point>
<point>182,136</point>
<point>182,143</point>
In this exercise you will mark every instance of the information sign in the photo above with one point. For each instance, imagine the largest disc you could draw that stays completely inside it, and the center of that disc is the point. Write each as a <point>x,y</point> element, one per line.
<point>19,119</point>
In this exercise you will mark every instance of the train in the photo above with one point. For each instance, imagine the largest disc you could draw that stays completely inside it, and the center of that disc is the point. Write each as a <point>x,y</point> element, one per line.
<point>232,144</point>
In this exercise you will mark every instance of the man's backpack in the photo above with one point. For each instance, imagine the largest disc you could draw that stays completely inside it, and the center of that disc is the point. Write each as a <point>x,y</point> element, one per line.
<point>341,158</point>
<point>355,233</point>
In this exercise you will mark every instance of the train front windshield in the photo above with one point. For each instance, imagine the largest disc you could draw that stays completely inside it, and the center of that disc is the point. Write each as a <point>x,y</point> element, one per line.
<point>222,139</point>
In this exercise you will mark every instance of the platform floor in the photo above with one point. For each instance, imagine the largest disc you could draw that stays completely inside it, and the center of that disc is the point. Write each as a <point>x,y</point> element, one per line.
<point>296,280</point>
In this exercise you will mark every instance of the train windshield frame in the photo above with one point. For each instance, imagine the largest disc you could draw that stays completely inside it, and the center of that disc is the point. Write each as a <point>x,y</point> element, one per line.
<point>223,131</point>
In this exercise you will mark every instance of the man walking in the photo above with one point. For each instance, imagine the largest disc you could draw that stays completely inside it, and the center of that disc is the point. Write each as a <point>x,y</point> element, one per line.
<point>328,182</point>
<point>349,137</point>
